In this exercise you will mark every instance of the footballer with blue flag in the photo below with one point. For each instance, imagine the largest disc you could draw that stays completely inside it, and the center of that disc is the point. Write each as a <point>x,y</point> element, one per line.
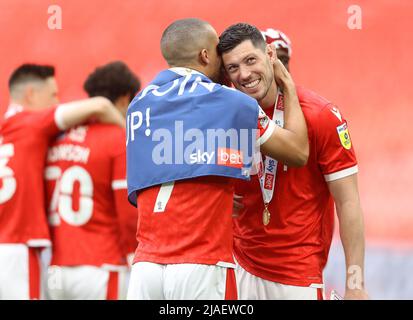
<point>188,137</point>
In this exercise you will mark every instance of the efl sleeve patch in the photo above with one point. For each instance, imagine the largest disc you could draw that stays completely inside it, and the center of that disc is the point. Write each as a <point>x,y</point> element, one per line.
<point>344,136</point>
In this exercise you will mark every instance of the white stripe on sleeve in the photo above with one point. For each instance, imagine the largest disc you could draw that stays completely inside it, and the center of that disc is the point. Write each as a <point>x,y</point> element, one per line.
<point>341,174</point>
<point>267,134</point>
<point>58,118</point>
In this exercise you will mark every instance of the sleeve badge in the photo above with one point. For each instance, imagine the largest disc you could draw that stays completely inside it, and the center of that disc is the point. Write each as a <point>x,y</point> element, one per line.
<point>344,136</point>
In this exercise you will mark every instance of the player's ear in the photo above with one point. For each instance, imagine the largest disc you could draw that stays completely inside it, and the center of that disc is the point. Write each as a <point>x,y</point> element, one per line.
<point>29,94</point>
<point>272,52</point>
<point>204,57</point>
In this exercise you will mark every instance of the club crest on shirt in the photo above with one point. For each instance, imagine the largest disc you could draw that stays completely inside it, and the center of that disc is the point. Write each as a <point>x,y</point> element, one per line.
<point>344,136</point>
<point>264,121</point>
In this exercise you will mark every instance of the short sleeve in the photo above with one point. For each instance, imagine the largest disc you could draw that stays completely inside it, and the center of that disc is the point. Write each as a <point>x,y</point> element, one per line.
<point>335,150</point>
<point>47,121</point>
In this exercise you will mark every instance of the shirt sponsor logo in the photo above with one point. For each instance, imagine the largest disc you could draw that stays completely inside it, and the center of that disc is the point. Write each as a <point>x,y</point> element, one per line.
<point>201,157</point>
<point>344,136</point>
<point>229,158</point>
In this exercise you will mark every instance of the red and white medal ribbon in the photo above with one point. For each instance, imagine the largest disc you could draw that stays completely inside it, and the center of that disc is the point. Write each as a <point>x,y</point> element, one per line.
<point>267,170</point>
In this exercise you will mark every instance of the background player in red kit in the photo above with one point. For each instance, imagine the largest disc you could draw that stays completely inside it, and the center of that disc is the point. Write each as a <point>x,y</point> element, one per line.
<point>29,125</point>
<point>284,258</point>
<point>281,43</point>
<point>93,226</point>
<point>185,249</point>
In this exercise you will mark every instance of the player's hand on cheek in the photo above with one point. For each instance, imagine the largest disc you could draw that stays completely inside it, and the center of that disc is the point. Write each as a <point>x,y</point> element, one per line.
<point>281,75</point>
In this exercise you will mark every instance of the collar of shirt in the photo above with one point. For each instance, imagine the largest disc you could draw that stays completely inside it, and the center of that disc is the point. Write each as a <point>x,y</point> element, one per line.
<point>13,109</point>
<point>184,71</point>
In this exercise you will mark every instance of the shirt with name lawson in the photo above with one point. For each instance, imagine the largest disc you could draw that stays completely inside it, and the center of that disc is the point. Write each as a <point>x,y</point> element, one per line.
<point>293,248</point>
<point>92,222</point>
<point>190,221</point>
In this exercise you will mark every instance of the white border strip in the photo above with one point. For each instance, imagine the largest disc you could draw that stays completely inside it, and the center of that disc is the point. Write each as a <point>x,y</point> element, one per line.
<point>114,268</point>
<point>267,134</point>
<point>119,184</point>
<point>341,174</point>
<point>39,243</point>
<point>226,264</point>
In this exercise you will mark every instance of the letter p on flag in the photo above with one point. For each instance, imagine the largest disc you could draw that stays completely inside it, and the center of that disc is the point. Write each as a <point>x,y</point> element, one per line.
<point>229,158</point>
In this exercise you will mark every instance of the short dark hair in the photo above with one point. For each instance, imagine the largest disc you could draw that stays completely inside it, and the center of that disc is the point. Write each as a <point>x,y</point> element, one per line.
<point>181,40</point>
<point>112,81</point>
<point>30,72</point>
<point>238,33</point>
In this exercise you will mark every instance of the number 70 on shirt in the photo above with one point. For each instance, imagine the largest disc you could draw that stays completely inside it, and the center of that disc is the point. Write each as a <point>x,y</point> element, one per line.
<point>61,202</point>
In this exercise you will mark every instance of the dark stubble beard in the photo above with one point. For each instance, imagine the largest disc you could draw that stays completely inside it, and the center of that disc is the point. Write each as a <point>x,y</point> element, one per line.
<point>271,77</point>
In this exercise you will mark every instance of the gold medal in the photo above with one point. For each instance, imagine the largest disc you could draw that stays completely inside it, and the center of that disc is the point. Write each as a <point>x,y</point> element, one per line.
<point>266,215</point>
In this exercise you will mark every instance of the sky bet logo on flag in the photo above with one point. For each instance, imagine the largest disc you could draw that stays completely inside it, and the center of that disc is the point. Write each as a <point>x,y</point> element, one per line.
<point>201,157</point>
<point>230,158</point>
<point>225,157</point>
<point>185,126</point>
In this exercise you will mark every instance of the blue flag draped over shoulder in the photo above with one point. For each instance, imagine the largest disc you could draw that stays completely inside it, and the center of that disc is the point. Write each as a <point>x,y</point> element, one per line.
<point>183,125</point>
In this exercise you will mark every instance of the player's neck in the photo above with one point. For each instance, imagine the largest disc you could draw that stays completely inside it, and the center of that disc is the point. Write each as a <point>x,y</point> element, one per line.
<point>189,66</point>
<point>269,100</point>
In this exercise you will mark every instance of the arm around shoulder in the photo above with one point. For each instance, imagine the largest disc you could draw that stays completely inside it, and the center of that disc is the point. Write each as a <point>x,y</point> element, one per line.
<point>289,144</point>
<point>77,112</point>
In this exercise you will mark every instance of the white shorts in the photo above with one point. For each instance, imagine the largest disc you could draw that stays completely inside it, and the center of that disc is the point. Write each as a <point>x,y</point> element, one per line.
<point>152,281</point>
<point>20,272</point>
<point>86,283</point>
<point>251,287</point>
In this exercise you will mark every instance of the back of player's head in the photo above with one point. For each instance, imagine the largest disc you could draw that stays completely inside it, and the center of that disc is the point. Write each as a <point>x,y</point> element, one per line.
<point>238,33</point>
<point>112,80</point>
<point>27,74</point>
<point>182,41</point>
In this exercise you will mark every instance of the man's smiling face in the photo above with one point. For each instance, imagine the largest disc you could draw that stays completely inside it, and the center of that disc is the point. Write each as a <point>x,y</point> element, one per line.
<point>250,69</point>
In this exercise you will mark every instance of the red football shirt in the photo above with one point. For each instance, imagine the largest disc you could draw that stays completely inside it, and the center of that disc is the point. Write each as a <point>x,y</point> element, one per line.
<point>92,222</point>
<point>293,248</point>
<point>190,221</point>
<point>24,138</point>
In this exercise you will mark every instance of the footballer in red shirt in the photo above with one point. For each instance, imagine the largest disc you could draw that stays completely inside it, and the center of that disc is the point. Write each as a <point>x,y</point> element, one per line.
<point>185,232</point>
<point>93,226</point>
<point>30,123</point>
<point>285,217</point>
